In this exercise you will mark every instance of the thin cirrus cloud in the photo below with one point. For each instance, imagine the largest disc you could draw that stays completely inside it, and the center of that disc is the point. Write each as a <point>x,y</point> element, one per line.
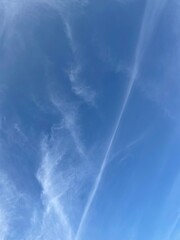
<point>11,11</point>
<point>51,197</point>
<point>81,90</point>
<point>151,15</point>
<point>9,206</point>
<point>53,209</point>
<point>61,183</point>
<point>69,114</point>
<point>78,84</point>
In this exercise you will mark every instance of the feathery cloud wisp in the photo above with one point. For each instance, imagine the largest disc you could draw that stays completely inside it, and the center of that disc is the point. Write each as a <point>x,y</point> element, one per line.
<point>81,90</point>
<point>11,11</point>
<point>60,174</point>
<point>51,197</point>
<point>79,85</point>
<point>68,112</point>
<point>9,205</point>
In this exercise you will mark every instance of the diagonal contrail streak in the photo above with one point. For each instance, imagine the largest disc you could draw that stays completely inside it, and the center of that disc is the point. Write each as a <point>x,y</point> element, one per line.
<point>151,15</point>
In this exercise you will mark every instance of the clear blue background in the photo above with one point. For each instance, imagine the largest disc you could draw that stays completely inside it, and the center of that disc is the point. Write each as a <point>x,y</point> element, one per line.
<point>65,70</point>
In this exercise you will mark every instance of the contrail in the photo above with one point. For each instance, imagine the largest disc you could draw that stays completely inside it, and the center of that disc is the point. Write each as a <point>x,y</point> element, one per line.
<point>152,12</point>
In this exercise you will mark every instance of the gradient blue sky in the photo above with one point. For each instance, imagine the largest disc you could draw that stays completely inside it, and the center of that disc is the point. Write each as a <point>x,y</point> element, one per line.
<point>89,120</point>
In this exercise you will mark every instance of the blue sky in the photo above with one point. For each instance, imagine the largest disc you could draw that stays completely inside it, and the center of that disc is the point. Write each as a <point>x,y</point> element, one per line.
<point>89,120</point>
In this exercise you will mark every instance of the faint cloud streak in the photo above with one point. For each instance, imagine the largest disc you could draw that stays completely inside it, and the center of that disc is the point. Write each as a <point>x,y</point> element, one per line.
<point>151,15</point>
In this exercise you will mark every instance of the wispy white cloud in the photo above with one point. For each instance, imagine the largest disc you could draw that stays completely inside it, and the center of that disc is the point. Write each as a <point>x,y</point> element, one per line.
<point>13,10</point>
<point>62,173</point>
<point>125,150</point>
<point>54,185</point>
<point>163,90</point>
<point>51,197</point>
<point>10,198</point>
<point>69,114</point>
<point>79,85</point>
<point>151,15</point>
<point>80,89</point>
<point>61,176</point>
